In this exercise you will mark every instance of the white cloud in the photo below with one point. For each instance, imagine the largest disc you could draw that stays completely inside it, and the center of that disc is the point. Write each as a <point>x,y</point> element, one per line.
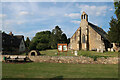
<point>23,13</point>
<point>93,10</point>
<point>2,15</point>
<point>29,34</point>
<point>73,15</point>
<point>111,9</point>
<point>76,22</point>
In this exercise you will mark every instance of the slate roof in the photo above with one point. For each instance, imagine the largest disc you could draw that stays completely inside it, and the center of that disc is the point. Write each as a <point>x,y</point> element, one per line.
<point>99,30</point>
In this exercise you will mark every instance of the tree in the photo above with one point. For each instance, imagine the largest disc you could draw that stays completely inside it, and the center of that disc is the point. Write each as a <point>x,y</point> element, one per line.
<point>117,9</point>
<point>41,41</point>
<point>68,40</point>
<point>114,30</point>
<point>56,37</point>
<point>63,38</point>
<point>47,40</point>
<point>27,42</point>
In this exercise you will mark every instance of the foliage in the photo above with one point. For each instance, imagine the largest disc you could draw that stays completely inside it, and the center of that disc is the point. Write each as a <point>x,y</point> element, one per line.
<point>47,40</point>
<point>113,33</point>
<point>117,9</point>
<point>114,30</point>
<point>63,38</point>
<point>27,43</point>
<point>41,40</point>
<point>42,46</point>
<point>57,37</point>
<point>32,45</point>
<point>68,40</point>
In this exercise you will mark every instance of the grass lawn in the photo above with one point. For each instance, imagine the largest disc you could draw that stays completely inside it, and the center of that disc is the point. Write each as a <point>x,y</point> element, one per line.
<point>83,53</point>
<point>59,70</point>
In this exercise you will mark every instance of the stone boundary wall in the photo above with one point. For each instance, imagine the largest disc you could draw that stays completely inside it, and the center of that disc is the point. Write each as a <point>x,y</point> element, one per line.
<point>70,59</point>
<point>74,59</point>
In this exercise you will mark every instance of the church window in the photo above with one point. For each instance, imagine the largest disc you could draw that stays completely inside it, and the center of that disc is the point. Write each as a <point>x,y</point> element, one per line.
<point>84,16</point>
<point>83,38</point>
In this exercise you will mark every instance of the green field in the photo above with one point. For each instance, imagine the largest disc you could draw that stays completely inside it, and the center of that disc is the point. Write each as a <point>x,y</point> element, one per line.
<point>59,70</point>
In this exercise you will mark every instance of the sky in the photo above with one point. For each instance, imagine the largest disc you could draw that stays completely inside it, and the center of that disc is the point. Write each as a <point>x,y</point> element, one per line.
<point>28,18</point>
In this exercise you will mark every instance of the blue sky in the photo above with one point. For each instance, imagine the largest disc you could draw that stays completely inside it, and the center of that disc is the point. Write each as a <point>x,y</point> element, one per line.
<point>28,18</point>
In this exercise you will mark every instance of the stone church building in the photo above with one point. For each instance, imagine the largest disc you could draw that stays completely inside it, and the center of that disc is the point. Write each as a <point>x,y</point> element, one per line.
<point>89,37</point>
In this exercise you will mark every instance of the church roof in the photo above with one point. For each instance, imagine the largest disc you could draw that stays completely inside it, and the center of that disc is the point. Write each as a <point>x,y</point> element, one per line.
<point>98,30</point>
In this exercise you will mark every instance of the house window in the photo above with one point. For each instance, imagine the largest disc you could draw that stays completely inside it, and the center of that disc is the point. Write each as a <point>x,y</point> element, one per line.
<point>21,47</point>
<point>83,38</point>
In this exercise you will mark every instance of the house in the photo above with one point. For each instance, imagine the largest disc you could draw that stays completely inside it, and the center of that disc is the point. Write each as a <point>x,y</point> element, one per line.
<point>12,44</point>
<point>89,37</point>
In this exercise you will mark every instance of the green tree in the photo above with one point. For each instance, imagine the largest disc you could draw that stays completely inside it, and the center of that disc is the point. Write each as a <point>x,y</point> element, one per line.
<point>68,40</point>
<point>27,42</point>
<point>56,37</point>
<point>114,30</point>
<point>41,41</point>
<point>117,9</point>
<point>63,38</point>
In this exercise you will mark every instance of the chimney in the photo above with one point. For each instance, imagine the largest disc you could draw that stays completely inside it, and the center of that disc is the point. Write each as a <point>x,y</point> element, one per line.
<point>10,34</point>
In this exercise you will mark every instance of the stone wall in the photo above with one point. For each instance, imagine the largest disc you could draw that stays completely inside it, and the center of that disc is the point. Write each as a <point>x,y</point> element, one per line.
<point>74,59</point>
<point>95,41</point>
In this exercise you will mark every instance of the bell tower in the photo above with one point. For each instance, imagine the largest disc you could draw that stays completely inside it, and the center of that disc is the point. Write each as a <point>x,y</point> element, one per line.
<point>84,31</point>
<point>84,17</point>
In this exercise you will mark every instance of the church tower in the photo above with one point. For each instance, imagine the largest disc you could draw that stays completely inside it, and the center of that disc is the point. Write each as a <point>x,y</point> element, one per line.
<point>84,31</point>
<point>84,17</point>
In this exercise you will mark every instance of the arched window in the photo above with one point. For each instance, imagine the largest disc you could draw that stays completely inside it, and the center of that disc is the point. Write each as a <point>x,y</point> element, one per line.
<point>83,38</point>
<point>84,16</point>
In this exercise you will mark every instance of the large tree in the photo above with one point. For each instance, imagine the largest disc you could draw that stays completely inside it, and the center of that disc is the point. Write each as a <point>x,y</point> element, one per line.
<point>57,37</point>
<point>46,39</point>
<point>114,30</point>
<point>41,41</point>
<point>63,38</point>
<point>117,8</point>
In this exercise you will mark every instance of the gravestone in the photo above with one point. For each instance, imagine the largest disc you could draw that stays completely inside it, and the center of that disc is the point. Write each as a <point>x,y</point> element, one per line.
<point>76,53</point>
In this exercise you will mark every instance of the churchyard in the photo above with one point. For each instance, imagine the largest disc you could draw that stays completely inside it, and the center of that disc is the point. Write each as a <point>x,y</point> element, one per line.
<point>74,52</point>
<point>54,52</point>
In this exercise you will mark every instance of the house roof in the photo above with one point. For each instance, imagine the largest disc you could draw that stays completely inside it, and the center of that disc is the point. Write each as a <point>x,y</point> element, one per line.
<point>11,40</point>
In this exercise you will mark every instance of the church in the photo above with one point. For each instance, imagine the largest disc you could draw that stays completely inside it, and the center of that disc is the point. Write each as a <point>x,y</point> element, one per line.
<point>89,37</point>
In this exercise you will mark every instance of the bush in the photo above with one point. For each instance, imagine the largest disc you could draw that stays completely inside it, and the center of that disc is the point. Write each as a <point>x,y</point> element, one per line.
<point>42,46</point>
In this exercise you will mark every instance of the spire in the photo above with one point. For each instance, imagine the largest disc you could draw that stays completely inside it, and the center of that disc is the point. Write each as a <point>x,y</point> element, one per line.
<point>84,16</point>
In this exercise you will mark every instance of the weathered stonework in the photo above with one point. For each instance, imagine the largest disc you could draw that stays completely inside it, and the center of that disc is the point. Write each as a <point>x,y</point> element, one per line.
<point>69,59</point>
<point>74,59</point>
<point>89,37</point>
